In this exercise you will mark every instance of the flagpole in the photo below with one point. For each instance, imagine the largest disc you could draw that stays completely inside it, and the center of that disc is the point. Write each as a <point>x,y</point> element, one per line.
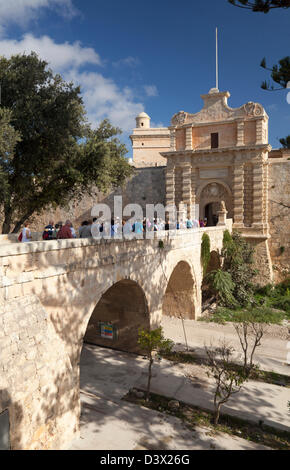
<point>217,65</point>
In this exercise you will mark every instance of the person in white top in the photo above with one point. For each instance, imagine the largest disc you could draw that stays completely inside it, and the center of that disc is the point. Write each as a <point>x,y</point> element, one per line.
<point>26,234</point>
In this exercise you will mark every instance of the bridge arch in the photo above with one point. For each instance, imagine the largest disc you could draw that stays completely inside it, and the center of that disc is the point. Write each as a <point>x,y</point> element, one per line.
<point>180,296</point>
<point>117,317</point>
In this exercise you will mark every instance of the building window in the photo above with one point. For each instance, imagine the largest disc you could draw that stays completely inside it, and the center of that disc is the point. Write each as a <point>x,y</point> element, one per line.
<point>214,140</point>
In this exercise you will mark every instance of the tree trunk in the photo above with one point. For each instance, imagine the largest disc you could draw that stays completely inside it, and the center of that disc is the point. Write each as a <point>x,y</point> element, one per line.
<point>217,414</point>
<point>21,221</point>
<point>149,378</point>
<point>7,220</point>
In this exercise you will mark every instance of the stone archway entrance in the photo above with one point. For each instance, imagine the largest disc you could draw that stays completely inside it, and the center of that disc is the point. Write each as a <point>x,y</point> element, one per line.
<point>179,299</point>
<point>116,319</point>
<point>209,198</point>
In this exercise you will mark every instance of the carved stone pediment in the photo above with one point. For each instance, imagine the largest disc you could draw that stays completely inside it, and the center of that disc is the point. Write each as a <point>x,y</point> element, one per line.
<point>216,109</point>
<point>179,118</point>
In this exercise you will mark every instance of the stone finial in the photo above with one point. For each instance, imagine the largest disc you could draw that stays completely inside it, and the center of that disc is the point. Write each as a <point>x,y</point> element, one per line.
<point>222,214</point>
<point>223,206</point>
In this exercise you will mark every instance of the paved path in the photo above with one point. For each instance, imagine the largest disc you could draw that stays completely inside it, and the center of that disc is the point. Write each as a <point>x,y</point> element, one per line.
<point>271,355</point>
<point>109,423</point>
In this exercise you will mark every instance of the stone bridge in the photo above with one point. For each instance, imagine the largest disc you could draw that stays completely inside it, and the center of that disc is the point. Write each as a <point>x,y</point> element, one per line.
<point>55,295</point>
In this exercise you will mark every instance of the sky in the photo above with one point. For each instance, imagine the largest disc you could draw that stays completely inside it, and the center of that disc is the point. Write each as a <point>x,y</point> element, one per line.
<point>156,56</point>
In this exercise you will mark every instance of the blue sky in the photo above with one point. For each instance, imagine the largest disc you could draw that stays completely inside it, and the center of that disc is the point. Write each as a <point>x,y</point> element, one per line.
<point>157,56</point>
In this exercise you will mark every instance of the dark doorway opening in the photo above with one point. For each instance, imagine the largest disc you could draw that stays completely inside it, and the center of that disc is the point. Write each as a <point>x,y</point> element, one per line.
<point>210,213</point>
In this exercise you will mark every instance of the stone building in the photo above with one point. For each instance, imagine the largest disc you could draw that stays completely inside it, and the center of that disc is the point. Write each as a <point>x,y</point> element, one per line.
<point>221,153</point>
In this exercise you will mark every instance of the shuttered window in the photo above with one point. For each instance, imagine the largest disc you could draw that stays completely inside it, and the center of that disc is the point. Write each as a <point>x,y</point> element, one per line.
<point>214,140</point>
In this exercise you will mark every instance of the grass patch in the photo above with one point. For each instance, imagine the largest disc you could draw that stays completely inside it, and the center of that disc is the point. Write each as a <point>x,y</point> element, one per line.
<point>256,375</point>
<point>194,416</point>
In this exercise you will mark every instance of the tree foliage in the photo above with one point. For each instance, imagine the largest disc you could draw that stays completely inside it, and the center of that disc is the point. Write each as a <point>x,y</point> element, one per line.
<point>59,157</point>
<point>279,73</point>
<point>223,286</point>
<point>205,252</point>
<point>238,262</point>
<point>233,282</point>
<point>228,381</point>
<point>263,6</point>
<point>153,341</point>
<point>285,142</point>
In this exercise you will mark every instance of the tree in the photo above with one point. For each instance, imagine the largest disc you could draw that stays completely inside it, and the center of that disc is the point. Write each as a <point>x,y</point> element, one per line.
<point>285,142</point>
<point>59,157</point>
<point>228,381</point>
<point>223,286</point>
<point>205,252</point>
<point>250,329</point>
<point>280,74</point>
<point>238,262</point>
<point>233,282</point>
<point>153,343</point>
<point>260,5</point>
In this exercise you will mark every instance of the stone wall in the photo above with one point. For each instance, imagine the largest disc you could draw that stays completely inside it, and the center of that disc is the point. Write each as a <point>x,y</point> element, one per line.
<point>147,186</point>
<point>279,216</point>
<point>36,385</point>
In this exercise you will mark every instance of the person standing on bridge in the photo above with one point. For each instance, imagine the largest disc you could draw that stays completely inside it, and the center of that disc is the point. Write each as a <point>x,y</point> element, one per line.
<point>26,234</point>
<point>65,231</point>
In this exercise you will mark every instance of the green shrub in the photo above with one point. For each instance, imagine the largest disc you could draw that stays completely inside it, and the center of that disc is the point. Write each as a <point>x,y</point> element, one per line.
<point>223,286</point>
<point>205,252</point>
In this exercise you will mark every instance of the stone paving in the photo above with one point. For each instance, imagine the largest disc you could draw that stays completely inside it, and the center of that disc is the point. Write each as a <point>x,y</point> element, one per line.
<point>109,423</point>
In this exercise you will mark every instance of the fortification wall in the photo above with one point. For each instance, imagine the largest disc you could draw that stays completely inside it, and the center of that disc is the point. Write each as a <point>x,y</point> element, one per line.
<point>146,186</point>
<point>279,216</point>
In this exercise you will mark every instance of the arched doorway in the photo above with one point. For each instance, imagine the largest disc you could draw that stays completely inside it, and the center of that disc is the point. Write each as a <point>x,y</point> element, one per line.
<point>179,298</point>
<point>210,213</point>
<point>116,319</point>
<point>209,197</point>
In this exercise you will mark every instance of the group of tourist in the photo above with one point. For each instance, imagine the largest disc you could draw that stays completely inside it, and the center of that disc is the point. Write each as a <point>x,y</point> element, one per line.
<point>107,229</point>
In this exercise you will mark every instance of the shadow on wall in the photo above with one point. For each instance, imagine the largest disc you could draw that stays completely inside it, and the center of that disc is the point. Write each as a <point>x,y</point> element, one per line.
<point>180,293</point>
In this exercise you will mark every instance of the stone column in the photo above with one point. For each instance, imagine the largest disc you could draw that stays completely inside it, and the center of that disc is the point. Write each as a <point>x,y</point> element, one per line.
<point>259,132</point>
<point>193,194</point>
<point>240,133</point>
<point>266,195</point>
<point>188,138</point>
<point>170,185</point>
<point>258,195</point>
<point>238,195</point>
<point>186,187</point>
<point>172,139</point>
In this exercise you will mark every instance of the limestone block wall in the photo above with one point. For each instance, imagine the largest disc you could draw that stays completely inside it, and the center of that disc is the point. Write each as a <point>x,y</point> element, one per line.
<point>36,384</point>
<point>279,216</point>
<point>147,186</point>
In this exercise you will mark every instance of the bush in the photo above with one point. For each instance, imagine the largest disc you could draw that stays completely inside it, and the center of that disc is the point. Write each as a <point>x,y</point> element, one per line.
<point>205,252</point>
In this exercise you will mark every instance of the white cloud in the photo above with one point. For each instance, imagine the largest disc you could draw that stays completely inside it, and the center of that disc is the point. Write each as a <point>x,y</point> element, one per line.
<point>59,56</point>
<point>102,96</point>
<point>21,12</point>
<point>104,99</point>
<point>151,90</point>
<point>127,62</point>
